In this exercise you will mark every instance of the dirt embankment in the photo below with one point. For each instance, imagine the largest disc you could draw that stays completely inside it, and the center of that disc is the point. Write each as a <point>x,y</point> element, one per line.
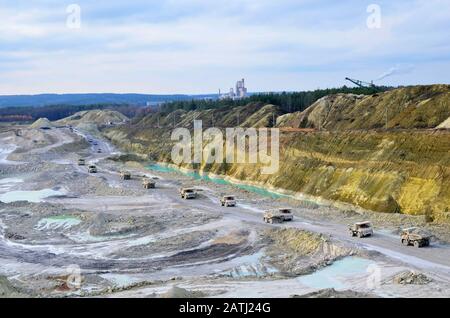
<point>300,252</point>
<point>406,108</point>
<point>396,171</point>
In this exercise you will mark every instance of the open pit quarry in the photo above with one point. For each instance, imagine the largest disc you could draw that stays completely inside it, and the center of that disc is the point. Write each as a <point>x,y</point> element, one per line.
<point>65,232</point>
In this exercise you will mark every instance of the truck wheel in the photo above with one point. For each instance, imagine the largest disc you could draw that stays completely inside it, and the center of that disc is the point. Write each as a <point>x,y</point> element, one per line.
<point>405,242</point>
<point>360,235</point>
<point>351,233</point>
<point>417,244</point>
<point>270,221</point>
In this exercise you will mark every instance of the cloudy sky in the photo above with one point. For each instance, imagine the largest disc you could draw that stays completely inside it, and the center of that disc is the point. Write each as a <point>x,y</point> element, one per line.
<point>199,46</point>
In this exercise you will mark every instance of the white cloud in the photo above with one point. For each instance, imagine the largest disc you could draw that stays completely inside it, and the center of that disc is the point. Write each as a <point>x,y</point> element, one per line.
<point>197,46</point>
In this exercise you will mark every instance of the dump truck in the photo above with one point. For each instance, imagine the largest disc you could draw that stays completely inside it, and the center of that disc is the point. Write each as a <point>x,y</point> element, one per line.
<point>188,193</point>
<point>92,169</point>
<point>415,236</point>
<point>228,201</point>
<point>81,162</point>
<point>278,215</point>
<point>361,229</point>
<point>148,184</point>
<point>125,175</point>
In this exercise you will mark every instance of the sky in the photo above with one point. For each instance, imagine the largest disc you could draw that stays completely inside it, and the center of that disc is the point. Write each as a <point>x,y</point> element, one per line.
<point>199,46</point>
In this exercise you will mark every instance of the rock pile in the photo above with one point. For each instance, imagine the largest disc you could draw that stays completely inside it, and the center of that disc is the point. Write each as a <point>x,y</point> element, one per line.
<point>411,278</point>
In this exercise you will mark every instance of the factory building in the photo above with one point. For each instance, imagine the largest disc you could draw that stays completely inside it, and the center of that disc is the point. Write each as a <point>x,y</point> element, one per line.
<point>238,93</point>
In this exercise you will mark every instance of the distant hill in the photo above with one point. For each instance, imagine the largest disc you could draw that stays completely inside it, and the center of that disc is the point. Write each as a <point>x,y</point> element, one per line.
<point>89,99</point>
<point>407,108</point>
<point>98,117</point>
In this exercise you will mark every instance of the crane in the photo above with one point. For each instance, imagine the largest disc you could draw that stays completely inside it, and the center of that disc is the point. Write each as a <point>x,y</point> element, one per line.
<point>361,83</point>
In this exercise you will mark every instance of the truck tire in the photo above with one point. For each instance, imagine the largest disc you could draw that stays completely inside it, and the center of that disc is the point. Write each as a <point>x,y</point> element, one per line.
<point>270,221</point>
<point>360,235</point>
<point>417,244</point>
<point>351,233</point>
<point>405,242</point>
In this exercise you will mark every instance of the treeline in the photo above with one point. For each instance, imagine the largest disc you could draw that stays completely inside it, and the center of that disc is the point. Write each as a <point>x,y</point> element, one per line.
<point>288,101</point>
<point>56,112</point>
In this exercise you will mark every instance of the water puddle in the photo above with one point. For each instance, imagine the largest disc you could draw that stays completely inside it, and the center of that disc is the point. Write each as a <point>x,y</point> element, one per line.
<point>334,276</point>
<point>30,196</point>
<point>61,222</point>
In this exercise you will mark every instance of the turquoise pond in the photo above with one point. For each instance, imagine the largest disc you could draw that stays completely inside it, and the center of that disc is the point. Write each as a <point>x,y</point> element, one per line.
<point>30,196</point>
<point>334,275</point>
<point>197,176</point>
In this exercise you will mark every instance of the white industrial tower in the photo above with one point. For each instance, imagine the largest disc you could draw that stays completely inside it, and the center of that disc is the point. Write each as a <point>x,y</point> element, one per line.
<point>235,94</point>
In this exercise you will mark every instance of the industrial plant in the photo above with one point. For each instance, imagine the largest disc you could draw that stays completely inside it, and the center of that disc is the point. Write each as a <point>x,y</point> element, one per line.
<point>235,93</point>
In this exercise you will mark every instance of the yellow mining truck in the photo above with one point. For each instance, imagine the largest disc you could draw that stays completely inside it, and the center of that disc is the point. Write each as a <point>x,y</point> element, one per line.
<point>228,201</point>
<point>188,193</point>
<point>360,229</point>
<point>148,184</point>
<point>415,236</point>
<point>125,175</point>
<point>278,215</point>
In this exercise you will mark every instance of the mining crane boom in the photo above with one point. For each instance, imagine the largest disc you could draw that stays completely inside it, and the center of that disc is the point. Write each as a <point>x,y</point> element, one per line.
<point>361,83</point>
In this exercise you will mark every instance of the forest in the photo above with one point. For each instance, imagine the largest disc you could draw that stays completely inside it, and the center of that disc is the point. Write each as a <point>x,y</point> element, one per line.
<point>288,101</point>
<point>56,112</point>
